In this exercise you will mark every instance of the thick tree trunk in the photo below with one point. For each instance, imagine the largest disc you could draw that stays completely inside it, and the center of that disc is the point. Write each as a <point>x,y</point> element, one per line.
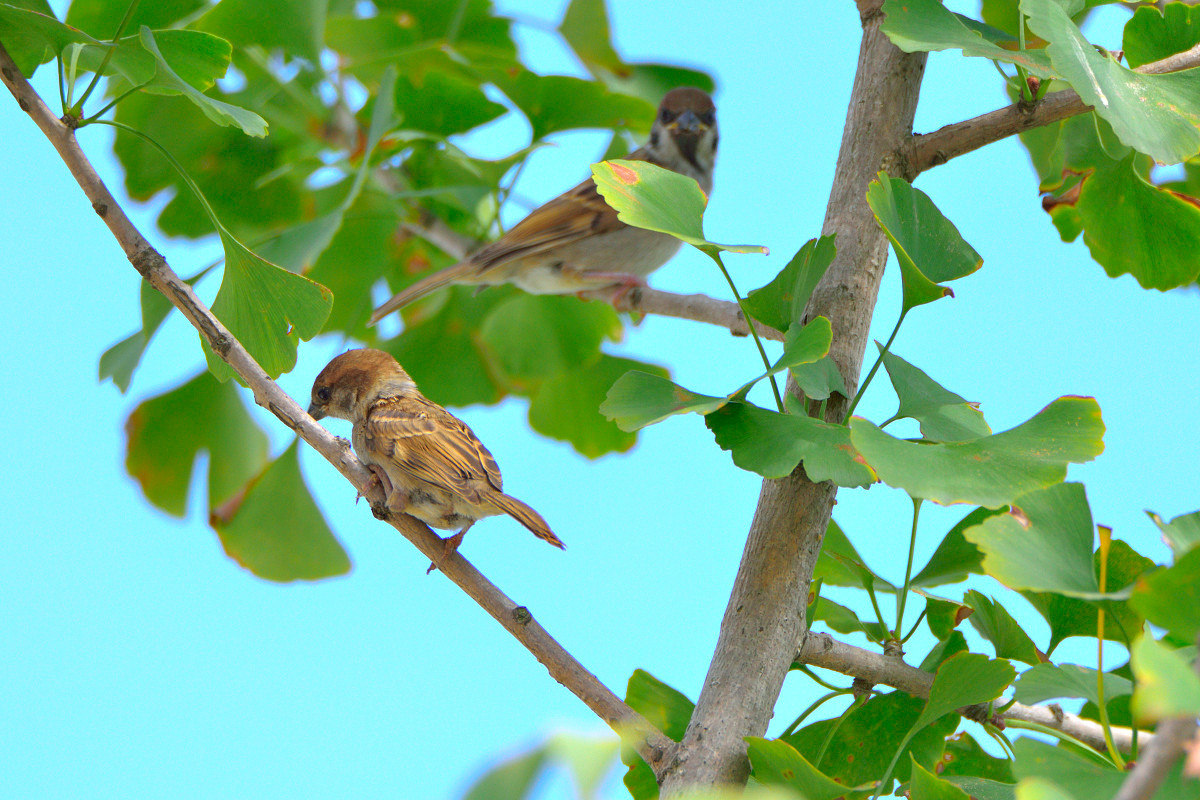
<point>764,621</point>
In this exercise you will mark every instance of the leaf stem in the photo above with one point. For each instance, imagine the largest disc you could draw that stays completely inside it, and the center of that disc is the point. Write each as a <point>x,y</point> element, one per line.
<point>1101,706</point>
<point>836,726</point>
<point>820,702</point>
<point>96,117</point>
<point>916,625</point>
<point>874,368</point>
<point>912,546</point>
<point>715,256</point>
<point>77,109</point>
<point>191,184</point>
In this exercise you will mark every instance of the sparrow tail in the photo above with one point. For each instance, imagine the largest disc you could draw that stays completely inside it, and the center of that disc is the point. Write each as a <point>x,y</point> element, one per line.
<point>527,517</point>
<point>430,283</point>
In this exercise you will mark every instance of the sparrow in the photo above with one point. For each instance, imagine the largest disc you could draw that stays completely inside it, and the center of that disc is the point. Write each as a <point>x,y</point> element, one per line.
<point>575,243</point>
<point>429,463</point>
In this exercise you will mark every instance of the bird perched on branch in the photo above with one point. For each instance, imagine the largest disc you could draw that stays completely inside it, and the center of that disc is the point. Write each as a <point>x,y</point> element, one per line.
<point>430,464</point>
<point>575,242</point>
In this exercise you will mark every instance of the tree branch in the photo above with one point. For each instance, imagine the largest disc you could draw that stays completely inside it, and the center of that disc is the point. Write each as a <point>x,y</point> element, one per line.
<point>640,299</point>
<point>822,650</point>
<point>650,743</point>
<point>764,621</point>
<point>1154,762</point>
<point>929,150</point>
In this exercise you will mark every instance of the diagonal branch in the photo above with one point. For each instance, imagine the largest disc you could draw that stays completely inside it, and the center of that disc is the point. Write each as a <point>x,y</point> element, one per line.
<point>931,149</point>
<point>822,650</point>
<point>649,742</point>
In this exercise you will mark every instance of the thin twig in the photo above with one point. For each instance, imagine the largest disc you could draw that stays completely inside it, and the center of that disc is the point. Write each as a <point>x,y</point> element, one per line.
<point>822,650</point>
<point>650,743</point>
<point>931,149</point>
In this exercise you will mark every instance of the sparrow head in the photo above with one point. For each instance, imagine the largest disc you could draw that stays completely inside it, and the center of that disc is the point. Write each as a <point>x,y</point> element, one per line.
<point>686,129</point>
<point>351,382</point>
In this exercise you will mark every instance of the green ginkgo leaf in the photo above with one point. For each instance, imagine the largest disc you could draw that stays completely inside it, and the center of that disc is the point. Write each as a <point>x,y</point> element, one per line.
<point>1158,115</point>
<point>993,470</point>
<point>928,247</point>
<point>657,199</point>
<point>275,530</point>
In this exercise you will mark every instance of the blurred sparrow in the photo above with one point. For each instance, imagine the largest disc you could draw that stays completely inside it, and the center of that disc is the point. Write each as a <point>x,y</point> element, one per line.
<point>575,242</point>
<point>429,463</point>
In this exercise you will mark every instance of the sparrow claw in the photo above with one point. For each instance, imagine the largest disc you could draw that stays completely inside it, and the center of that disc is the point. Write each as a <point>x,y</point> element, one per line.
<point>449,547</point>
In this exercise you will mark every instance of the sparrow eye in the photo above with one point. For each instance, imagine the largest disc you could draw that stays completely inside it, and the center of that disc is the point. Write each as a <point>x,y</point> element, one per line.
<point>323,394</point>
<point>707,117</point>
<point>665,115</point>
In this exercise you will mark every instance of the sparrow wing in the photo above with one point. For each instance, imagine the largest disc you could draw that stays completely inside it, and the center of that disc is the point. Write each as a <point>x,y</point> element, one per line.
<point>573,215</point>
<point>430,443</point>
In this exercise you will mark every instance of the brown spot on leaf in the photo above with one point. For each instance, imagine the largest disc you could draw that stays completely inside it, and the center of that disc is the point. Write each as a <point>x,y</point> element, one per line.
<point>1017,513</point>
<point>624,174</point>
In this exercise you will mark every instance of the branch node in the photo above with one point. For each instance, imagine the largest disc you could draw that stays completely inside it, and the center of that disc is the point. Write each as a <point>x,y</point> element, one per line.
<point>861,687</point>
<point>8,74</point>
<point>381,512</point>
<point>521,615</point>
<point>70,121</point>
<point>100,208</point>
<point>146,260</point>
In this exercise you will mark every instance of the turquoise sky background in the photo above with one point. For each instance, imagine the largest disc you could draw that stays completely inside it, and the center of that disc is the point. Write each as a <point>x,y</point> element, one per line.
<point>136,660</point>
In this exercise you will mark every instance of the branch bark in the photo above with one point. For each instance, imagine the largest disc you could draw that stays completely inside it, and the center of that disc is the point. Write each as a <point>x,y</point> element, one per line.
<point>931,149</point>
<point>764,620</point>
<point>650,743</point>
<point>822,650</point>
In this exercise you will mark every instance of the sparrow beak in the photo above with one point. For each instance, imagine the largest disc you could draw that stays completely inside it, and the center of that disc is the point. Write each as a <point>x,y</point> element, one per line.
<point>316,412</point>
<point>688,123</point>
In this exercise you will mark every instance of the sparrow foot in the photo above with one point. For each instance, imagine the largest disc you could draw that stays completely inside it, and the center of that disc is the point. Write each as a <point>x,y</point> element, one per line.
<point>449,547</point>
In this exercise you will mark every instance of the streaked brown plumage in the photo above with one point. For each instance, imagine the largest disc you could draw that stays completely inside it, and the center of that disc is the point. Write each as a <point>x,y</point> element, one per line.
<point>431,465</point>
<point>575,242</point>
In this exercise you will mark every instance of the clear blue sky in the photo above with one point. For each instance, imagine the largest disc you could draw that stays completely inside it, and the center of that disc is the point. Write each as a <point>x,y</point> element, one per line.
<point>138,661</point>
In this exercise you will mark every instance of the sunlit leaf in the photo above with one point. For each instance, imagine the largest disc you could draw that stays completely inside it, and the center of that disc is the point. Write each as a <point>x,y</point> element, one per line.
<point>220,112</point>
<point>1043,543</point>
<point>1167,685</point>
<point>1156,114</point>
<point>276,530</point>
<point>993,470</point>
<point>1071,616</point>
<point>649,196</point>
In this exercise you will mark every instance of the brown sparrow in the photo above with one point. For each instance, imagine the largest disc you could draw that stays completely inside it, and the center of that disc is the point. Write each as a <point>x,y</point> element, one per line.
<point>428,461</point>
<point>575,242</point>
